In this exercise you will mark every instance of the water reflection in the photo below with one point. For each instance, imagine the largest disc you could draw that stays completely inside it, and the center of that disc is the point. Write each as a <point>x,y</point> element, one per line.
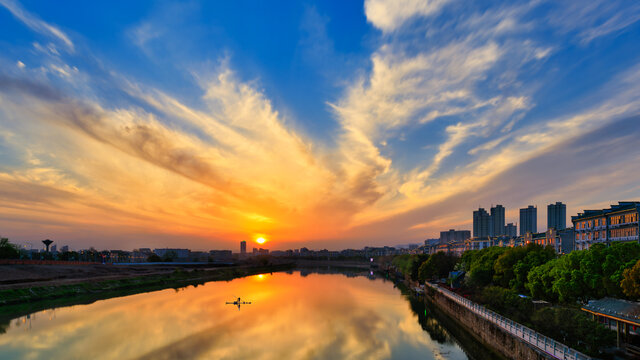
<point>300,314</point>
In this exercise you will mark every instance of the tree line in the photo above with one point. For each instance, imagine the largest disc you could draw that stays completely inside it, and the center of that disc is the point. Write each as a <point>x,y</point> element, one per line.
<point>537,271</point>
<point>506,279</point>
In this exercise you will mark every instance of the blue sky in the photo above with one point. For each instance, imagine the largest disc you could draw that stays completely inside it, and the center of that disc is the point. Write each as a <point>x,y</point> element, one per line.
<point>326,124</point>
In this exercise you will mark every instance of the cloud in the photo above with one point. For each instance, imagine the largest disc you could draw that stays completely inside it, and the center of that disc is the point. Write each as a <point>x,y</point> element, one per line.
<point>36,24</point>
<point>389,15</point>
<point>258,171</point>
<point>595,19</point>
<point>439,112</point>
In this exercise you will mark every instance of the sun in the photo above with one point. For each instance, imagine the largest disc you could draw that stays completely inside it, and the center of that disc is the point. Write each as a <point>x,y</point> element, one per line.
<point>261,240</point>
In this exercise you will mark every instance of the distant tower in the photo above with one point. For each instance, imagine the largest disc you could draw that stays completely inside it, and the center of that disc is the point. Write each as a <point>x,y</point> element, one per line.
<point>243,247</point>
<point>557,216</point>
<point>47,243</point>
<point>497,220</point>
<point>481,223</point>
<point>528,220</point>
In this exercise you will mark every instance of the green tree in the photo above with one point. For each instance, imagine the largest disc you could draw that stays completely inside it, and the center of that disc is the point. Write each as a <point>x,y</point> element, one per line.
<point>506,302</point>
<point>540,281</point>
<point>568,283</point>
<point>536,255</point>
<point>503,267</point>
<point>8,250</point>
<point>401,262</point>
<point>408,265</point>
<point>573,328</point>
<point>466,259</point>
<point>631,281</point>
<point>586,274</point>
<point>620,256</point>
<point>481,266</point>
<point>437,265</point>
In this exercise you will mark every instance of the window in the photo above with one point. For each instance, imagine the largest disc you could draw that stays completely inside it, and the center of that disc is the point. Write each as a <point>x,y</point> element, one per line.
<point>624,232</point>
<point>617,220</point>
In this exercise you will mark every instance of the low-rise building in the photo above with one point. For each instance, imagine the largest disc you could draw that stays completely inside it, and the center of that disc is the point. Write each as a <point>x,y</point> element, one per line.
<point>140,255</point>
<point>198,256</point>
<point>561,240</point>
<point>479,243</point>
<point>511,230</point>
<point>221,255</point>
<point>454,235</point>
<point>177,254</point>
<point>567,239</point>
<point>617,223</point>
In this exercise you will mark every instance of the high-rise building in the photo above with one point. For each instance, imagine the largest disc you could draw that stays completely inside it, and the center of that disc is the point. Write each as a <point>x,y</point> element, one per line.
<point>481,223</point>
<point>243,247</point>
<point>497,221</point>
<point>557,216</point>
<point>528,220</point>
<point>510,230</point>
<point>454,236</point>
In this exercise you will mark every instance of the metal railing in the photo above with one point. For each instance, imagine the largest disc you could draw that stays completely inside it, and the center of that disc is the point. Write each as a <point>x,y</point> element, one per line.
<point>538,341</point>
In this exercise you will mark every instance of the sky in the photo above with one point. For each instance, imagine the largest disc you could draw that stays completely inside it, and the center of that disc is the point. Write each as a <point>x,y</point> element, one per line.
<point>328,124</point>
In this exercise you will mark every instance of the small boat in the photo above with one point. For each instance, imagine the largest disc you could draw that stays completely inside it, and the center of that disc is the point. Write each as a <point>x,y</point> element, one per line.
<point>238,303</point>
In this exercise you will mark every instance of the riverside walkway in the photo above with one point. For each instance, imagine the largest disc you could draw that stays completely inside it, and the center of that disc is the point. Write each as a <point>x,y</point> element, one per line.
<point>538,341</point>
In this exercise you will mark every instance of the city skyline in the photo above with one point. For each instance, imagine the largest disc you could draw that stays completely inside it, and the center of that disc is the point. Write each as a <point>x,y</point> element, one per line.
<point>345,125</point>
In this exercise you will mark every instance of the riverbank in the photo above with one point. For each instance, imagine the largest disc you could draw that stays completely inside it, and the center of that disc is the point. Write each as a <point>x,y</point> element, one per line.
<point>29,275</point>
<point>96,288</point>
<point>503,336</point>
<point>510,338</point>
<point>443,328</point>
<point>18,276</point>
<point>465,335</point>
<point>28,283</point>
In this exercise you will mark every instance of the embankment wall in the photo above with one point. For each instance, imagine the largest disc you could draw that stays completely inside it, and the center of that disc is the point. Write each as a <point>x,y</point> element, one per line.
<point>483,330</point>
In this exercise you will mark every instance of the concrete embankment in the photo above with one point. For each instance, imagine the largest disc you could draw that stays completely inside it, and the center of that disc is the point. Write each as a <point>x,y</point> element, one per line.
<point>510,339</point>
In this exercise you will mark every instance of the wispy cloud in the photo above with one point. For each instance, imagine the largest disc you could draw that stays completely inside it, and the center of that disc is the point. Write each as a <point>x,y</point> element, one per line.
<point>389,15</point>
<point>596,18</point>
<point>36,24</point>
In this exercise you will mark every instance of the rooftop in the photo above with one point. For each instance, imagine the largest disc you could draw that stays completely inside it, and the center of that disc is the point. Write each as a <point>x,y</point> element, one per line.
<point>618,308</point>
<point>621,206</point>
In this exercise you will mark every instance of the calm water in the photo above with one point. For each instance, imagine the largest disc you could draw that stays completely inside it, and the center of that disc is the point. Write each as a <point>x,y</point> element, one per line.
<point>292,316</point>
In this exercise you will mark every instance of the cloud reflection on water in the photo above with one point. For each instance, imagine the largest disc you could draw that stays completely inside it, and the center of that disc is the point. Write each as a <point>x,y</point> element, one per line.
<point>291,316</point>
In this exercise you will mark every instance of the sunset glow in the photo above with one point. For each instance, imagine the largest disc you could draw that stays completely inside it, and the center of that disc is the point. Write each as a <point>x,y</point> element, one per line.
<point>261,240</point>
<point>199,125</point>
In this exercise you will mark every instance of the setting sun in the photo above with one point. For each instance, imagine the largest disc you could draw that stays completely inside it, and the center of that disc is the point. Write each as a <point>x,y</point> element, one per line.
<point>261,240</point>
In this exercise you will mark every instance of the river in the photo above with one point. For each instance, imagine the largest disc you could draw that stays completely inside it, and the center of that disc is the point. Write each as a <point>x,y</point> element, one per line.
<point>292,315</point>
